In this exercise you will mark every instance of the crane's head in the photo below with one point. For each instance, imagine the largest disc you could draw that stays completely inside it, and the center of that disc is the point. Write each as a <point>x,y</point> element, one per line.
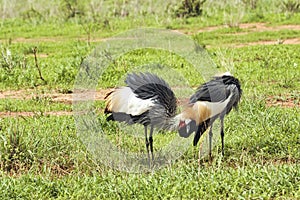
<point>185,125</point>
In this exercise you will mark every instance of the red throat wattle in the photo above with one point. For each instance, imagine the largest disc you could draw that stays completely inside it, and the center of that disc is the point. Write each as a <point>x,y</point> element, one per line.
<point>182,124</point>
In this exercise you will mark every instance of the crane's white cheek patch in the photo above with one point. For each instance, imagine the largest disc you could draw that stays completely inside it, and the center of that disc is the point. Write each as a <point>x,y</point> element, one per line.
<point>187,121</point>
<point>188,127</point>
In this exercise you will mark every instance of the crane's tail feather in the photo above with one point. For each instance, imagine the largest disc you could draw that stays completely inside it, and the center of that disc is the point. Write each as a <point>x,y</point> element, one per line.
<point>127,118</point>
<point>120,117</point>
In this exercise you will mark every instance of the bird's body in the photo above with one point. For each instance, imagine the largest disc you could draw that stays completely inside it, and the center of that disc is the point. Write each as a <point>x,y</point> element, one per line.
<point>147,100</point>
<point>212,100</point>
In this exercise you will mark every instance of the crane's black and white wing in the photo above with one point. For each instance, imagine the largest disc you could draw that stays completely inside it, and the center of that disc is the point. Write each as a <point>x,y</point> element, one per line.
<point>146,99</point>
<point>124,106</point>
<point>150,86</point>
<point>211,91</point>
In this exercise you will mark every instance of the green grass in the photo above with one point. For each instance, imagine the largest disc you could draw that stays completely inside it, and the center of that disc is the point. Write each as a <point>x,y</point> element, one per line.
<point>42,157</point>
<point>41,104</point>
<point>262,181</point>
<point>262,160</point>
<point>227,36</point>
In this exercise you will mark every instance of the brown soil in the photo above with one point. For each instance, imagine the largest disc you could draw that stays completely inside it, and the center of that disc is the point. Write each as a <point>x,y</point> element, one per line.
<point>287,102</point>
<point>256,27</point>
<point>268,42</point>
<point>31,40</point>
<point>32,114</point>
<point>50,39</point>
<point>54,96</point>
<point>253,27</point>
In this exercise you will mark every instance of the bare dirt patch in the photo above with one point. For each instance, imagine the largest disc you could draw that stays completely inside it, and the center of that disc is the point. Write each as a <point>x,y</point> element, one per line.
<point>268,42</point>
<point>32,114</point>
<point>33,40</point>
<point>259,27</point>
<point>253,27</point>
<point>54,96</point>
<point>51,39</point>
<point>286,102</point>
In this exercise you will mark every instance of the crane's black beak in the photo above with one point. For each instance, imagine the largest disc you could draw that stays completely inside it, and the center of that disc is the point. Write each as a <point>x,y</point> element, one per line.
<point>187,129</point>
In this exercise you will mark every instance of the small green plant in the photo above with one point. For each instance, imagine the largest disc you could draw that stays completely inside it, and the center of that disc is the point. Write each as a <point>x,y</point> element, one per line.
<point>14,154</point>
<point>32,15</point>
<point>89,28</point>
<point>189,8</point>
<point>71,9</point>
<point>11,61</point>
<point>6,61</point>
<point>234,13</point>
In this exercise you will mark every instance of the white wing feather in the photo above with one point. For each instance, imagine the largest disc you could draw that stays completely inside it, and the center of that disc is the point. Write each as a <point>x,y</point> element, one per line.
<point>124,100</point>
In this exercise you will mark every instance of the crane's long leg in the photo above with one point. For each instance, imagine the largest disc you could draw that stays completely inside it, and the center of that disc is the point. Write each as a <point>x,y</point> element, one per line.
<point>147,144</point>
<point>210,135</point>
<point>197,137</point>
<point>151,142</point>
<point>222,134</point>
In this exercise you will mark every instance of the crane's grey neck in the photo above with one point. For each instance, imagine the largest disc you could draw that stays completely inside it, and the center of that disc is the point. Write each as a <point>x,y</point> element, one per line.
<point>171,124</point>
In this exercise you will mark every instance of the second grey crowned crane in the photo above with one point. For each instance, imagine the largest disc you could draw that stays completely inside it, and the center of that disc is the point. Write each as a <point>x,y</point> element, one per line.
<point>147,100</point>
<point>212,100</point>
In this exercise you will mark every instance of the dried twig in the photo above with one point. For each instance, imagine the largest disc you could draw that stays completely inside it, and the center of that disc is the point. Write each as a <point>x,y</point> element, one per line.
<point>37,65</point>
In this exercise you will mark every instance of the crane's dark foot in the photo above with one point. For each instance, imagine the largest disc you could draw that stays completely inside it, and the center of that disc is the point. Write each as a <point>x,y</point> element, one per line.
<point>151,147</point>
<point>210,159</point>
<point>148,152</point>
<point>152,156</point>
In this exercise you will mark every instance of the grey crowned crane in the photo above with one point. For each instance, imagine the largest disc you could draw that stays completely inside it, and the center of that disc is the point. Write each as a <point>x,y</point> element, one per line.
<point>212,100</point>
<point>147,100</point>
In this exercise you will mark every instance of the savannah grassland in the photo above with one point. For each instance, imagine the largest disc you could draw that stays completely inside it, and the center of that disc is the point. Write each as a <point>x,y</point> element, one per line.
<point>41,156</point>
